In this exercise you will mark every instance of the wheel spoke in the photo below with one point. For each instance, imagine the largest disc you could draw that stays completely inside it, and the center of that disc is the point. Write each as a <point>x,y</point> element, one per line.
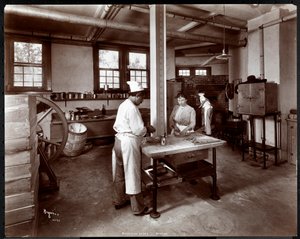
<point>44,115</point>
<point>52,148</point>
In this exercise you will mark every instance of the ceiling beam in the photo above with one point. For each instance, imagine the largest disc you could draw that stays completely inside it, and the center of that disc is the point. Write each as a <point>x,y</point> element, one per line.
<point>29,11</point>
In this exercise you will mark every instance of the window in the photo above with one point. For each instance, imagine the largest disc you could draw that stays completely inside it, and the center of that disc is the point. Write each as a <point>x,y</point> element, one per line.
<point>27,65</point>
<point>201,72</point>
<point>138,68</point>
<point>115,64</point>
<point>184,72</point>
<point>109,72</point>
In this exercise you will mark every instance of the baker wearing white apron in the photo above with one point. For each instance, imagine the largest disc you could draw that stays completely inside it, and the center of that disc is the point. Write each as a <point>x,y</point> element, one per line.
<point>126,154</point>
<point>206,113</point>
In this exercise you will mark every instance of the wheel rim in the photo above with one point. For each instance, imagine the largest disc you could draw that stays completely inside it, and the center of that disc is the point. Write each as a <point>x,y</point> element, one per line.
<point>52,148</point>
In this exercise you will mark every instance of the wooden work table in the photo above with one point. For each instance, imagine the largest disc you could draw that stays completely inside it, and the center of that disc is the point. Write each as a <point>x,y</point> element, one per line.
<point>179,152</point>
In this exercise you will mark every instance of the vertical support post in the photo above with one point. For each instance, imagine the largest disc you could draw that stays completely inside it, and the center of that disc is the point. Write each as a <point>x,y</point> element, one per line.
<point>275,130</point>
<point>264,141</point>
<point>158,87</point>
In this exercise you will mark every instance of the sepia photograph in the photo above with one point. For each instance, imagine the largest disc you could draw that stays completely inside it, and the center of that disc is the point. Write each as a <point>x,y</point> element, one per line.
<point>150,120</point>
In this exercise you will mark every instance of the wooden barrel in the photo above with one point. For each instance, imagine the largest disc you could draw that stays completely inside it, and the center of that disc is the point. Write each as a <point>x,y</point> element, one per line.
<point>76,139</point>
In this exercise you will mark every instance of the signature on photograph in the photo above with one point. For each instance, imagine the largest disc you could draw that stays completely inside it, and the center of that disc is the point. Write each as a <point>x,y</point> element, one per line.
<point>52,215</point>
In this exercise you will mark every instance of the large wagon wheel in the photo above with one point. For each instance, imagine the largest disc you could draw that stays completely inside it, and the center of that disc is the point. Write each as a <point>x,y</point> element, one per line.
<point>52,149</point>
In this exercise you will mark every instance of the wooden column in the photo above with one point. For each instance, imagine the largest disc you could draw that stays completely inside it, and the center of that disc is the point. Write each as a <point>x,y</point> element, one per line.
<point>158,68</point>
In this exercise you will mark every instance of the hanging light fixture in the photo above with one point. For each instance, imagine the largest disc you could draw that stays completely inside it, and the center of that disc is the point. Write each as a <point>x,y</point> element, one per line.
<point>223,56</point>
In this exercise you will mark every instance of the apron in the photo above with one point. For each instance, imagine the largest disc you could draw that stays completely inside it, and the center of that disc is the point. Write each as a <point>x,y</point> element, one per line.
<point>129,150</point>
<point>206,117</point>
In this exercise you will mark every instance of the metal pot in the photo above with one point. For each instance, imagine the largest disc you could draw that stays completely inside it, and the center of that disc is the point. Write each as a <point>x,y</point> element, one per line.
<point>82,96</point>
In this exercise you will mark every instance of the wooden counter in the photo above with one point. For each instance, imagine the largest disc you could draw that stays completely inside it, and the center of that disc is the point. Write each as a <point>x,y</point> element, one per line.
<point>96,128</point>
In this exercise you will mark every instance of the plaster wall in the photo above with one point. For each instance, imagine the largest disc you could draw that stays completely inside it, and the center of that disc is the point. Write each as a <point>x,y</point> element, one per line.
<point>72,71</point>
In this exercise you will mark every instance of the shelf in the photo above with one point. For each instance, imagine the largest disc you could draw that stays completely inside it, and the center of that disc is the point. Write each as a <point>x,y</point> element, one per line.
<point>110,117</point>
<point>200,169</point>
<point>91,99</point>
<point>165,176</point>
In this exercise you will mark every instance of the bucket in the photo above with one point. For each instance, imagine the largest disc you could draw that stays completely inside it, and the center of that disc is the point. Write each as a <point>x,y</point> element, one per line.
<point>76,139</point>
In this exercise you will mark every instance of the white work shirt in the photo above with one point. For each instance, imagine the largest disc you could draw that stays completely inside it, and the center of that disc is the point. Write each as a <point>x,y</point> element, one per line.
<point>129,119</point>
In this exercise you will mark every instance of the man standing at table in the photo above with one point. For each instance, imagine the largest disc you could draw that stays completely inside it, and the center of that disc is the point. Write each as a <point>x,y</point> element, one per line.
<point>126,154</point>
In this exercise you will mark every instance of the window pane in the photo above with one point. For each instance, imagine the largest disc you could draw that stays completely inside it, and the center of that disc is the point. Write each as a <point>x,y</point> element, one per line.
<point>201,72</point>
<point>18,69</point>
<point>28,70</point>
<point>184,72</point>
<point>18,83</point>
<point>132,73</point>
<point>28,83</point>
<point>38,84</point>
<point>137,60</point>
<point>144,73</point>
<point>109,73</point>
<point>37,78</point>
<point>18,78</point>
<point>27,52</point>
<point>102,73</point>
<point>109,80</point>
<point>116,73</point>
<point>108,59</point>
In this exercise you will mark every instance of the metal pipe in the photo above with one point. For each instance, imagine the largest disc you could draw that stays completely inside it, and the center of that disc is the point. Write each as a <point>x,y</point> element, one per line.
<point>283,19</point>
<point>274,22</point>
<point>30,11</point>
<point>182,16</point>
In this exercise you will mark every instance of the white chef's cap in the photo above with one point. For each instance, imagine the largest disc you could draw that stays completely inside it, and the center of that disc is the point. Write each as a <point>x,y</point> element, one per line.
<point>135,86</point>
<point>201,93</point>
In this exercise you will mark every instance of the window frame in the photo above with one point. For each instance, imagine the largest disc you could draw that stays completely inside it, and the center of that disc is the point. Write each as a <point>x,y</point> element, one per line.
<point>193,70</point>
<point>123,63</point>
<point>113,69</point>
<point>144,51</point>
<point>10,63</point>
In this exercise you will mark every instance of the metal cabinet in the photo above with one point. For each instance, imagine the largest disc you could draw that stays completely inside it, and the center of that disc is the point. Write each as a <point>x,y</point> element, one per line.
<point>257,98</point>
<point>292,141</point>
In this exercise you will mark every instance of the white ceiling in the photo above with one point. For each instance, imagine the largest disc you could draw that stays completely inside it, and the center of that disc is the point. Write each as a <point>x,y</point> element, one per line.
<point>196,19</point>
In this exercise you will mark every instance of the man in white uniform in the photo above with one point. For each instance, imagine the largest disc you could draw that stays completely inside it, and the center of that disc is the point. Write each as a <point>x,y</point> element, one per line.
<point>126,154</point>
<point>206,112</point>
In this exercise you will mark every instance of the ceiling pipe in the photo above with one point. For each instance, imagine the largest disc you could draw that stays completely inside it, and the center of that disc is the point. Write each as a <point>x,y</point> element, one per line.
<point>194,19</point>
<point>102,16</point>
<point>30,11</point>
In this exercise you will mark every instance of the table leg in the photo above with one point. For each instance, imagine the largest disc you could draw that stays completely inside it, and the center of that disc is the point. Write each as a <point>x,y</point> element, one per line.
<point>214,195</point>
<point>154,213</point>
